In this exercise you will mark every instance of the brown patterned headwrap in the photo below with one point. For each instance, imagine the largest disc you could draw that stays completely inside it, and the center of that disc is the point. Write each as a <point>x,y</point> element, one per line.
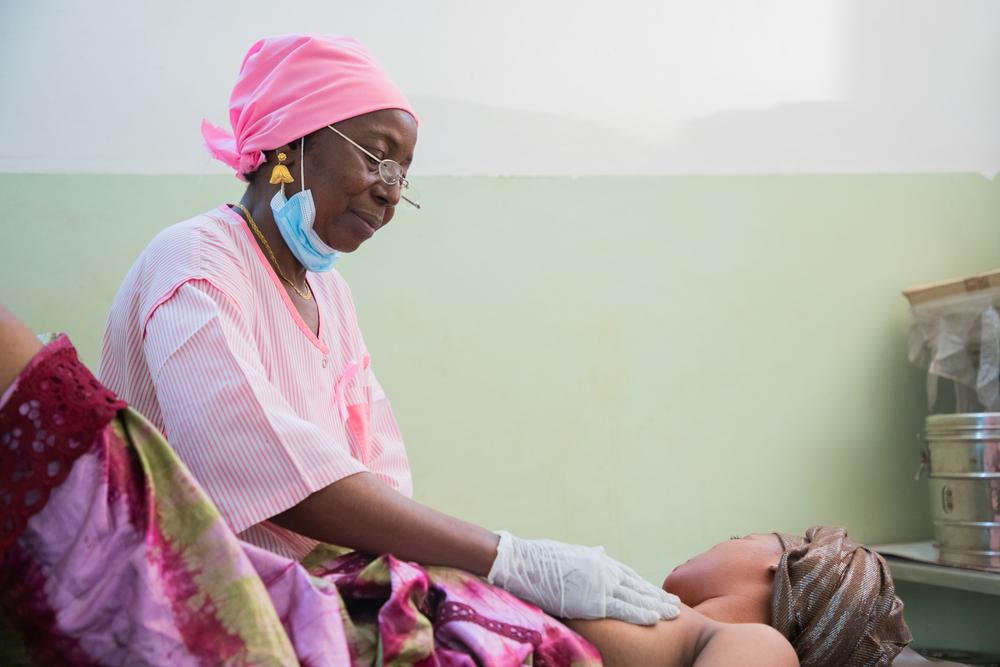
<point>835,602</point>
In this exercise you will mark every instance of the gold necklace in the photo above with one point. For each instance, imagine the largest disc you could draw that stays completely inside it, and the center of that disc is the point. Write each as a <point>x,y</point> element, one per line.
<point>274,260</point>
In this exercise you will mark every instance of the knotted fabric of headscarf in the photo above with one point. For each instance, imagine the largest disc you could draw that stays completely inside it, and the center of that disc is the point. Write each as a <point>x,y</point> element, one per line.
<point>292,85</point>
<point>834,600</point>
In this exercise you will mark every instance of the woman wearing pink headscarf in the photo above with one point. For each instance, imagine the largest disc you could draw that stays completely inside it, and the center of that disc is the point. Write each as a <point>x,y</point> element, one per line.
<point>235,336</point>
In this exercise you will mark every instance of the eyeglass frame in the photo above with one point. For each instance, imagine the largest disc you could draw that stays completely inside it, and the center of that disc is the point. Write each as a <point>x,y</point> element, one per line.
<point>403,183</point>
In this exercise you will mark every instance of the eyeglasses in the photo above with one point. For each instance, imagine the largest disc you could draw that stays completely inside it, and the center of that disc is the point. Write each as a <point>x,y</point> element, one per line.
<point>390,171</point>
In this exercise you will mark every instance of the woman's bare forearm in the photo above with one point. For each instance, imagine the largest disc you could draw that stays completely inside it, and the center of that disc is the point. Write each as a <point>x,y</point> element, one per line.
<point>362,513</point>
<point>17,346</point>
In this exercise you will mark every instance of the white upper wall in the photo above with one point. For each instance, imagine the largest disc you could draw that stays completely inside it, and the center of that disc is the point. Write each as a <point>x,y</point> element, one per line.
<point>531,87</point>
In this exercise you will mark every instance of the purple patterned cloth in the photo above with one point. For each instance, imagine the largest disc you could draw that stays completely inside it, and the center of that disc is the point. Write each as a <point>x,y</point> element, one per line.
<point>111,554</point>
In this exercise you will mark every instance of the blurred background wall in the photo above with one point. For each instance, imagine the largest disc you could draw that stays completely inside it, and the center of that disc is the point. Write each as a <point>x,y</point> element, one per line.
<point>652,299</point>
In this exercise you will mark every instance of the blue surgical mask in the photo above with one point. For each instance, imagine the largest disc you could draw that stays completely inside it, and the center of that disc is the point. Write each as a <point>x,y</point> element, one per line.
<point>295,218</point>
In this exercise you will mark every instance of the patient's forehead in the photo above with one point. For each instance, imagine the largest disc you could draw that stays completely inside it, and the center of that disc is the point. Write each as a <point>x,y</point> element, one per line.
<point>764,539</point>
<point>730,567</point>
<point>762,548</point>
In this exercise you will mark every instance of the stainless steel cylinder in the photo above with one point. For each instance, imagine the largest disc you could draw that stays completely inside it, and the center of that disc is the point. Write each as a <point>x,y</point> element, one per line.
<point>964,456</point>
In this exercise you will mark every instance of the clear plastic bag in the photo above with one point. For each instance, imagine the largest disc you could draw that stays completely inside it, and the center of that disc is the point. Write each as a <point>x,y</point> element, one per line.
<point>958,338</point>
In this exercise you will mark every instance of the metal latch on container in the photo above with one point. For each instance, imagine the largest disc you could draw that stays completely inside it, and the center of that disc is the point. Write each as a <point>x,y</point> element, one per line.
<point>925,460</point>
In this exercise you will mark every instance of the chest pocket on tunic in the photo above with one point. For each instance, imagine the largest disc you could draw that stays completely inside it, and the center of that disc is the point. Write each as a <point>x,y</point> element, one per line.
<point>352,398</point>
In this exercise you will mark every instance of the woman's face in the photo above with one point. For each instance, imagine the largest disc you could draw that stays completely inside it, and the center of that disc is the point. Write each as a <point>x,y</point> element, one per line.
<point>737,569</point>
<point>352,201</point>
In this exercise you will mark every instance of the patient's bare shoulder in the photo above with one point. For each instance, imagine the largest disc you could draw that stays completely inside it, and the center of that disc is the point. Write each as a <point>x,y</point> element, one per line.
<point>748,645</point>
<point>666,644</point>
<point>690,639</point>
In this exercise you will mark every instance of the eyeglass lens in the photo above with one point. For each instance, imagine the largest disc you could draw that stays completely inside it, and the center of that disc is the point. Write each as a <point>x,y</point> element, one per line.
<point>390,171</point>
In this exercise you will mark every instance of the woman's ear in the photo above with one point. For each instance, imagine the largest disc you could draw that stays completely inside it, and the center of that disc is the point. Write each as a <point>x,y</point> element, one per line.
<point>290,151</point>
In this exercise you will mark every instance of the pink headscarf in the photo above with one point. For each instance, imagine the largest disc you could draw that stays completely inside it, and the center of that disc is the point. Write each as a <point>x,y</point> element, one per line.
<point>291,85</point>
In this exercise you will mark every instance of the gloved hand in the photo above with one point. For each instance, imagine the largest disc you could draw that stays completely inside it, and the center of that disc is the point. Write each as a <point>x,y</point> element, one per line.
<point>572,581</point>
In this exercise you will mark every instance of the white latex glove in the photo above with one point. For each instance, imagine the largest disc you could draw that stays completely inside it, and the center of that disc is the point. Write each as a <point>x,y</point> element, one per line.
<point>572,581</point>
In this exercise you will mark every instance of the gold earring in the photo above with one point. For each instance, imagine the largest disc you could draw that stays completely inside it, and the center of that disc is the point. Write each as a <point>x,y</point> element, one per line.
<point>280,173</point>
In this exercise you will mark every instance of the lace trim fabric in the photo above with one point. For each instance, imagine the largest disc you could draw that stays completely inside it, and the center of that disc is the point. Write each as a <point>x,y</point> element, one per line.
<point>50,420</point>
<point>456,611</point>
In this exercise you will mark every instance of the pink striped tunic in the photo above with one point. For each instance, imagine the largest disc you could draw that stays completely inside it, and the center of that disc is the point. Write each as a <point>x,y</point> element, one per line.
<point>204,341</point>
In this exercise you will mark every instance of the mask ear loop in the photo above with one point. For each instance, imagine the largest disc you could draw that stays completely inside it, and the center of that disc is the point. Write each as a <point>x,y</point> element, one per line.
<point>302,165</point>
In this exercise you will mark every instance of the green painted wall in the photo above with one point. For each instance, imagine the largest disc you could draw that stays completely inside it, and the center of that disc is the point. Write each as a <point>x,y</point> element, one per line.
<point>651,363</point>
<point>950,619</point>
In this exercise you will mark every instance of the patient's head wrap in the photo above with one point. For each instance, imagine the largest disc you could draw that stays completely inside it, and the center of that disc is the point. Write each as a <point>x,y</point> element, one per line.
<point>291,85</point>
<point>835,602</point>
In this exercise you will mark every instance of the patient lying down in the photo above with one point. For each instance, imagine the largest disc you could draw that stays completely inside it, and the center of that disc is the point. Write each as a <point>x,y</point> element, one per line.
<point>827,600</point>
<point>764,599</point>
